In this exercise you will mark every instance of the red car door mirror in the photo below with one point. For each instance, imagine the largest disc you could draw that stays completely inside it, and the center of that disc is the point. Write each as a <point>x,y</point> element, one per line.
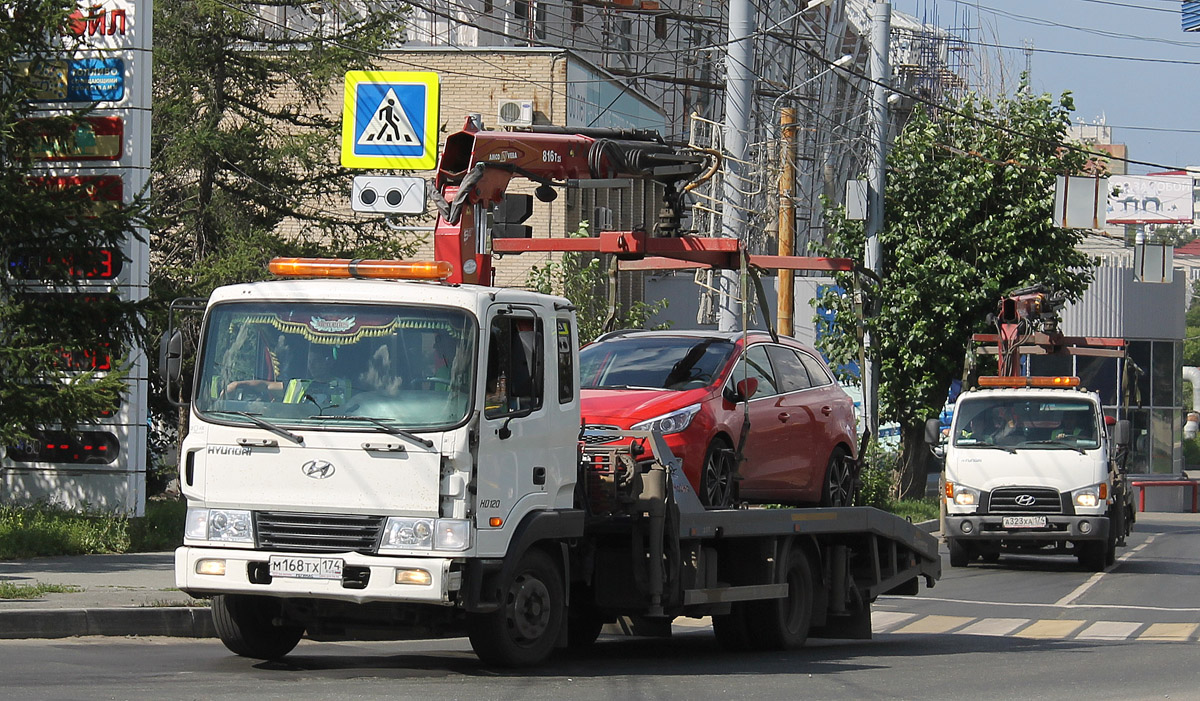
<point>745,389</point>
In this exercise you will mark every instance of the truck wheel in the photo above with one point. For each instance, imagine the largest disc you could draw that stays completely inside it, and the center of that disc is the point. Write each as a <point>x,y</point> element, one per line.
<point>246,624</point>
<point>730,629</point>
<point>1091,554</point>
<point>716,477</point>
<point>1110,552</point>
<point>782,624</point>
<point>839,480</point>
<point>524,630</point>
<point>961,553</point>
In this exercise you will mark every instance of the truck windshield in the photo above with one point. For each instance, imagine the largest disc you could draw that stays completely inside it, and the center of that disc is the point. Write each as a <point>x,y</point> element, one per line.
<point>1036,424</point>
<point>329,366</point>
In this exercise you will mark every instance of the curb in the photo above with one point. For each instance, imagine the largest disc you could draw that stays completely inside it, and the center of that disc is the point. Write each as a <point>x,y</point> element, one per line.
<point>177,622</point>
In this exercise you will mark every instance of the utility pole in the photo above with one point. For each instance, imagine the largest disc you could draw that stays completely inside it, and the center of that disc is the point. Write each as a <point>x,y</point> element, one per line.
<point>739,92</point>
<point>787,219</point>
<point>881,28</point>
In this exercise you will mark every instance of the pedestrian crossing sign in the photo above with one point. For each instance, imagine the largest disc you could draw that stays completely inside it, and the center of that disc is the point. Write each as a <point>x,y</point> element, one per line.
<point>390,120</point>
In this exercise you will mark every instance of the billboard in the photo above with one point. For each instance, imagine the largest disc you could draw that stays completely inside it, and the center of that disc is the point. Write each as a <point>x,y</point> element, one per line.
<point>1149,199</point>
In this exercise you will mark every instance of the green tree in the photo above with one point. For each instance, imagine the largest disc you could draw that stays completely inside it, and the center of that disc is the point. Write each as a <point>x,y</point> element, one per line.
<point>57,336</point>
<point>968,218</point>
<point>1191,339</point>
<point>245,142</point>
<point>245,145</point>
<point>584,279</point>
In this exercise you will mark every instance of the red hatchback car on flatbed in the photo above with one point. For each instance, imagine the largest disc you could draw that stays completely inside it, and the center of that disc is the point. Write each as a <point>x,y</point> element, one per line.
<point>698,387</point>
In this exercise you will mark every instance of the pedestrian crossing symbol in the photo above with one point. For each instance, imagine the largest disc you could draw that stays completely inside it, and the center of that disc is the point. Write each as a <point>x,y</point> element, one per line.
<point>389,120</point>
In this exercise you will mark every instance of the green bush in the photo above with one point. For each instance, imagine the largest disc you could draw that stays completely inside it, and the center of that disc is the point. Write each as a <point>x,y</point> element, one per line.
<point>879,476</point>
<point>1191,452</point>
<point>43,529</point>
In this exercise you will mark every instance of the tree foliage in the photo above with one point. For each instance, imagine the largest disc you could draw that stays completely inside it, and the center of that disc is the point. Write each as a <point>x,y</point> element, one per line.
<point>245,145</point>
<point>58,335</point>
<point>968,218</point>
<point>583,279</point>
<point>245,142</point>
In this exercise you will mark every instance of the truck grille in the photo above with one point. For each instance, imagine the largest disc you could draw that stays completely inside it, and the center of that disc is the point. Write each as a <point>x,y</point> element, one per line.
<point>317,533</point>
<point>1025,500</point>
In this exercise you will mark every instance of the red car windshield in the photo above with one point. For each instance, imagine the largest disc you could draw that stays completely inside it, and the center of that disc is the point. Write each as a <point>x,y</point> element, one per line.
<point>653,362</point>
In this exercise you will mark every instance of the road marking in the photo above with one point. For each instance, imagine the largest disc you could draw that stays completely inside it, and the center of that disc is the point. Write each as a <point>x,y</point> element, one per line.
<point>994,626</point>
<point>1079,591</point>
<point>1109,630</point>
<point>1024,604</point>
<point>692,622</point>
<point>935,624</point>
<point>1169,631</point>
<point>883,620</point>
<point>1050,628</point>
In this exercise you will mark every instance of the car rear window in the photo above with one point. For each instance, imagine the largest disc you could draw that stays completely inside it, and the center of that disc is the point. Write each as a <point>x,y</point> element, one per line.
<point>653,362</point>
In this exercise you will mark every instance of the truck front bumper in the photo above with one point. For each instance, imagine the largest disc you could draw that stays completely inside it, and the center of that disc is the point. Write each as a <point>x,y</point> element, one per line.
<point>365,578</point>
<point>988,527</point>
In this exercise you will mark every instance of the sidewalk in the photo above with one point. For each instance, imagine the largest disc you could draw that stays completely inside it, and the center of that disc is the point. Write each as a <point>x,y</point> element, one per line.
<point>118,595</point>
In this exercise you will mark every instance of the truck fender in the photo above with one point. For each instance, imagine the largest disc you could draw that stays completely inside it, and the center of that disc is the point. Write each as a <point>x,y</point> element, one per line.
<point>483,577</point>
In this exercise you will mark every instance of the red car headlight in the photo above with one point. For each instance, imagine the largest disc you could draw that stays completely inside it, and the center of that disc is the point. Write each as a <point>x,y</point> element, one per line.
<point>673,422</point>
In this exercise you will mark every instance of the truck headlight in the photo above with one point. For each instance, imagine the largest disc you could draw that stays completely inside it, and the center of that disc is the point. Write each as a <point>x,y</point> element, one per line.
<point>1087,497</point>
<point>225,525</point>
<point>425,534</point>
<point>667,424</point>
<point>961,495</point>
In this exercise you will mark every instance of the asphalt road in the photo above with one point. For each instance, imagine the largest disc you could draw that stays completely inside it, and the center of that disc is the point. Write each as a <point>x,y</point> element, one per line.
<point>1023,629</point>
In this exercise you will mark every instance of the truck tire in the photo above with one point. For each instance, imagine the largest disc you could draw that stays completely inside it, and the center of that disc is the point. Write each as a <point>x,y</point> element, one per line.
<point>730,629</point>
<point>1092,554</point>
<point>838,488</point>
<point>782,624</point>
<point>961,553</point>
<point>246,624</point>
<point>716,476</point>
<point>524,630</point>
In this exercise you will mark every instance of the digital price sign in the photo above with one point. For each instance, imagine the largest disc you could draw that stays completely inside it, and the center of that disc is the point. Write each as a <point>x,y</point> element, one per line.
<point>80,447</point>
<point>100,263</point>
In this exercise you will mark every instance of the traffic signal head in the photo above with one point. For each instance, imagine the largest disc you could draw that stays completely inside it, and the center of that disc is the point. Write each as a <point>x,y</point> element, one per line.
<point>388,194</point>
<point>508,215</point>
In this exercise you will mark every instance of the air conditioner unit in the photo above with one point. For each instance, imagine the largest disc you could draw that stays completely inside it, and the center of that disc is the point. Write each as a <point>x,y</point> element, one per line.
<point>514,113</point>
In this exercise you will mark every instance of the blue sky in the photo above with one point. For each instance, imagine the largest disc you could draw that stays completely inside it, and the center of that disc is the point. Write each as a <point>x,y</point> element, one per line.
<point>1141,96</point>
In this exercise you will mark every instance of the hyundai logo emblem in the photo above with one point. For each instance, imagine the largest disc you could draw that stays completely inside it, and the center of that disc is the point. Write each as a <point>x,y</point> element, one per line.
<point>1022,500</point>
<point>317,469</point>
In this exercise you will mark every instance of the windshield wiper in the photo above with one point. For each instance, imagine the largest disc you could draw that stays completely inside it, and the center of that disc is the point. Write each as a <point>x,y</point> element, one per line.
<point>263,423</point>
<point>621,387</point>
<point>1058,443</point>
<point>383,426</point>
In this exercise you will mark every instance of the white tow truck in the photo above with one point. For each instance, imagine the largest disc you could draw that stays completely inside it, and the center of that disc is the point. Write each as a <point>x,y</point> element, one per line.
<point>1030,466</point>
<point>399,456</point>
<point>1031,469</point>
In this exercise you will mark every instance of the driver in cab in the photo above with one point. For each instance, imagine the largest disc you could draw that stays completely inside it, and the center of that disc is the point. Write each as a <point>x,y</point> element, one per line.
<point>322,382</point>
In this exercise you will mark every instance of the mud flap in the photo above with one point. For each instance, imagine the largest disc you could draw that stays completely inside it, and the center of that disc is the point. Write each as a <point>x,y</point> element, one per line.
<point>855,625</point>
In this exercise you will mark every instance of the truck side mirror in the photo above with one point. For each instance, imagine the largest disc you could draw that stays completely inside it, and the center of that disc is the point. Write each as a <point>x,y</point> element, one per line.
<point>933,431</point>
<point>742,391</point>
<point>170,356</point>
<point>1122,433</point>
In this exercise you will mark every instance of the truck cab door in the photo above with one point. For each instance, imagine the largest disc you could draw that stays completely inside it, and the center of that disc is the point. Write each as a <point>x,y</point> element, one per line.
<point>527,444</point>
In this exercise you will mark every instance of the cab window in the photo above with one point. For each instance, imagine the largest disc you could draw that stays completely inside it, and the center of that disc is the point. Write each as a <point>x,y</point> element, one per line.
<point>515,364</point>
